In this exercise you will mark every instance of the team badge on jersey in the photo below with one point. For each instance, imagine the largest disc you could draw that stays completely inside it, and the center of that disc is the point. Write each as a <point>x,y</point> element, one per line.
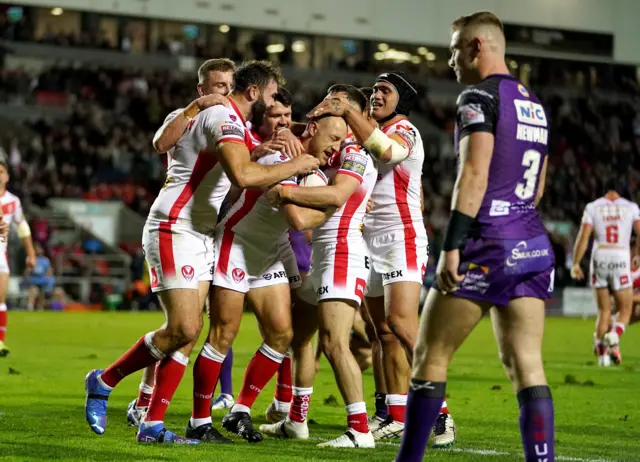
<point>354,164</point>
<point>523,91</point>
<point>187,272</point>
<point>237,274</point>
<point>471,114</point>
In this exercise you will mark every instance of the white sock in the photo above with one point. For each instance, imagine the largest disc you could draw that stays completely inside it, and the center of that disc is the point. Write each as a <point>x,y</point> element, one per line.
<point>99,378</point>
<point>281,406</point>
<point>195,423</point>
<point>240,408</point>
<point>149,424</point>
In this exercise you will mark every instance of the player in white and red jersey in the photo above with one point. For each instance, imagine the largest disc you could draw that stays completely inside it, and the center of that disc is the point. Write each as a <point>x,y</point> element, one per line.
<point>11,215</point>
<point>177,241</point>
<point>397,240</point>
<point>248,239</point>
<point>611,219</point>
<point>336,284</point>
<point>215,79</point>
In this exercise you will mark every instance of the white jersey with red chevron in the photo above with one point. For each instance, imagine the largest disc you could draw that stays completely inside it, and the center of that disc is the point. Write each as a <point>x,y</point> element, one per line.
<point>396,196</point>
<point>249,235</point>
<point>13,215</point>
<point>346,222</point>
<point>612,221</point>
<point>196,184</point>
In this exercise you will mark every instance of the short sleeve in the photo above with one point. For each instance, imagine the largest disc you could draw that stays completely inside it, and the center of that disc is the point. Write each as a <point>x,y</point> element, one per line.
<point>587,218</point>
<point>222,127</point>
<point>275,159</point>
<point>405,131</point>
<point>636,213</point>
<point>354,161</point>
<point>18,214</point>
<point>172,115</point>
<point>477,111</point>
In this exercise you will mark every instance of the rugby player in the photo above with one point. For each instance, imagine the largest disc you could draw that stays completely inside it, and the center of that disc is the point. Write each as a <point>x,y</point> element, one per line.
<point>611,219</point>
<point>215,79</point>
<point>211,155</point>
<point>496,254</point>
<point>248,239</point>
<point>396,238</point>
<point>336,283</point>
<point>11,215</point>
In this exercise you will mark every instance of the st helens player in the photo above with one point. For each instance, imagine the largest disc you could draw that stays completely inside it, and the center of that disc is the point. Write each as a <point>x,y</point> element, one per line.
<point>339,271</point>
<point>248,240</point>
<point>396,237</point>
<point>11,215</point>
<point>611,219</point>
<point>215,79</point>
<point>179,245</point>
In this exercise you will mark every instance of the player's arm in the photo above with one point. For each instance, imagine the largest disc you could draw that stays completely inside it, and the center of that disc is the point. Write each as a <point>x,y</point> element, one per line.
<point>636,229</point>
<point>177,122</point>
<point>543,180</point>
<point>334,195</point>
<point>580,246</point>
<point>388,149</point>
<point>24,233</point>
<point>304,218</point>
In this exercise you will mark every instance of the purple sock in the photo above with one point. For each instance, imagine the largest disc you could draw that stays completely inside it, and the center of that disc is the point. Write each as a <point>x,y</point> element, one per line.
<point>536,423</point>
<point>225,374</point>
<point>423,407</point>
<point>381,405</point>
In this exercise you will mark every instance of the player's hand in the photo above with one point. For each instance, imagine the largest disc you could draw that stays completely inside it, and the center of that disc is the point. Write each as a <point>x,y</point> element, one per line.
<point>273,195</point>
<point>268,147</point>
<point>332,106</point>
<point>4,230</point>
<point>292,147</point>
<point>369,205</point>
<point>31,262</point>
<point>576,273</point>
<point>305,164</point>
<point>447,271</point>
<point>207,101</point>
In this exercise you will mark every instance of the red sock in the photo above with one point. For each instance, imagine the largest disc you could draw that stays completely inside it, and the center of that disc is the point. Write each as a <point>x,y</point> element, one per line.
<point>168,376</point>
<point>144,395</point>
<point>397,405</point>
<point>444,409</point>
<point>3,325</point>
<point>300,405</point>
<point>284,381</point>
<point>261,369</point>
<point>357,417</point>
<point>601,348</point>
<point>206,372</point>
<point>141,355</point>
<point>619,328</point>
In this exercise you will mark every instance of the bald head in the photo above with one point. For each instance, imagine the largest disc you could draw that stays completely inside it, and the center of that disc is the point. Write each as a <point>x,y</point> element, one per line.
<point>324,136</point>
<point>477,46</point>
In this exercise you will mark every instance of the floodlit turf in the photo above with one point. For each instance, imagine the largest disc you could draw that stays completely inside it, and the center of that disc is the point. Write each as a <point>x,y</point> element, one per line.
<point>42,397</point>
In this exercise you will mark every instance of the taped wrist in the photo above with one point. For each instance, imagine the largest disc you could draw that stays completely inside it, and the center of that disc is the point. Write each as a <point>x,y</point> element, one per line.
<point>457,231</point>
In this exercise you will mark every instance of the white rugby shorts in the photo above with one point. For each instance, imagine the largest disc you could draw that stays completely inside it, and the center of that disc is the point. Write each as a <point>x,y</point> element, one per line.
<point>611,268</point>
<point>178,256</point>
<point>399,255</point>
<point>338,271</point>
<point>285,269</point>
<point>4,258</point>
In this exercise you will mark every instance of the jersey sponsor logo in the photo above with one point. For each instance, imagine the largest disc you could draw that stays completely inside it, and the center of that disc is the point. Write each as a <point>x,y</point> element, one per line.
<point>392,275</point>
<point>275,275</point>
<point>520,252</point>
<point>523,91</point>
<point>294,279</point>
<point>532,134</point>
<point>361,285</point>
<point>232,130</point>
<point>531,113</point>
<point>187,272</point>
<point>408,133</point>
<point>499,208</point>
<point>529,256</point>
<point>323,290</point>
<point>167,182</point>
<point>624,280</point>
<point>356,164</point>
<point>475,279</point>
<point>237,274</point>
<point>266,276</point>
<point>611,265</point>
<point>470,114</point>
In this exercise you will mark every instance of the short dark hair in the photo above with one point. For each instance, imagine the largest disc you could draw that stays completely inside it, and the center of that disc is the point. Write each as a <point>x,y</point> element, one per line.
<point>213,65</point>
<point>284,97</point>
<point>353,94</point>
<point>367,92</point>
<point>259,73</point>
<point>481,18</point>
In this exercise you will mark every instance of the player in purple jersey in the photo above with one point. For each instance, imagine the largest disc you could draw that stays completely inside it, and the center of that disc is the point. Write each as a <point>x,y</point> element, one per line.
<point>497,256</point>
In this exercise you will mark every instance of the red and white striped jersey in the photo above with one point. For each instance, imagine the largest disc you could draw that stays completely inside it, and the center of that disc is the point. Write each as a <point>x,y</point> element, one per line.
<point>612,221</point>
<point>11,208</point>
<point>196,184</point>
<point>396,195</point>
<point>254,219</point>
<point>355,161</point>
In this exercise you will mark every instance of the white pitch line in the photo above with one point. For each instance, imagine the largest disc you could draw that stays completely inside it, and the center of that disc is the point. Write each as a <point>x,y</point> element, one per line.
<point>486,452</point>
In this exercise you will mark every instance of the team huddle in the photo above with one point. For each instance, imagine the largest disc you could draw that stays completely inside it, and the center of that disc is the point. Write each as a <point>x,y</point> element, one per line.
<point>246,188</point>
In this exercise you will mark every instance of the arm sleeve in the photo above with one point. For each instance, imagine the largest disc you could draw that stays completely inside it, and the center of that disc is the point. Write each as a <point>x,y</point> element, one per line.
<point>587,218</point>
<point>222,127</point>
<point>477,111</point>
<point>407,132</point>
<point>636,213</point>
<point>354,161</point>
<point>172,115</point>
<point>275,159</point>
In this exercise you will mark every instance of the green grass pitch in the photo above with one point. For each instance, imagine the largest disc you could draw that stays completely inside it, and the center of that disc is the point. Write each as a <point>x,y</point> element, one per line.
<point>42,397</point>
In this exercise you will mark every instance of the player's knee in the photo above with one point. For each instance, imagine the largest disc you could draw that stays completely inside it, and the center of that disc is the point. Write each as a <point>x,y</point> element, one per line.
<point>400,327</point>
<point>279,339</point>
<point>332,346</point>
<point>183,333</point>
